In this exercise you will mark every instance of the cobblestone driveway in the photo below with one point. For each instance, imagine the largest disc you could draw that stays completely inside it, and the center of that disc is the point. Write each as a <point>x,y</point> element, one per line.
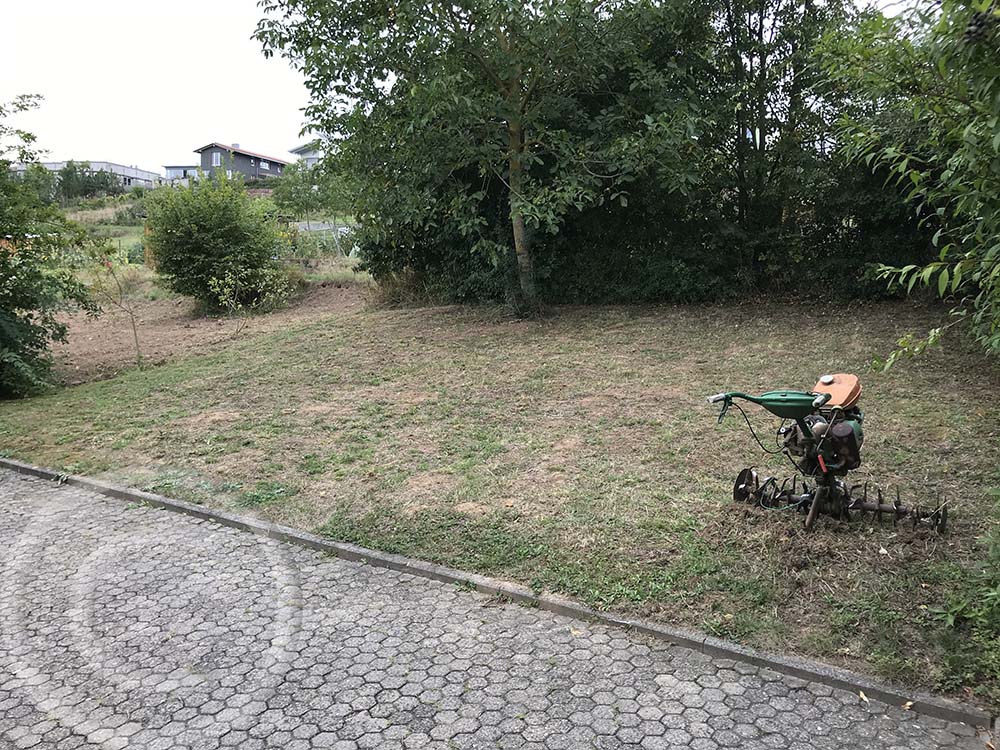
<point>124,626</point>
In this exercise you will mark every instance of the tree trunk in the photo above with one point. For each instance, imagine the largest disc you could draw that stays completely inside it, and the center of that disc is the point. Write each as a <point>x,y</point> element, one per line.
<point>759,208</point>
<point>733,21</point>
<point>336,236</point>
<point>522,250</point>
<point>135,338</point>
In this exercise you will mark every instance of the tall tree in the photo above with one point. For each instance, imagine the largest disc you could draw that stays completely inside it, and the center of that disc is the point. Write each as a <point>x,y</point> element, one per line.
<point>78,180</point>
<point>296,191</point>
<point>771,100</point>
<point>488,85</point>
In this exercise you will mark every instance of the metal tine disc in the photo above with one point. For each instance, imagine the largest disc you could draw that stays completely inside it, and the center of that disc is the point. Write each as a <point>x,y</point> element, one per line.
<point>746,486</point>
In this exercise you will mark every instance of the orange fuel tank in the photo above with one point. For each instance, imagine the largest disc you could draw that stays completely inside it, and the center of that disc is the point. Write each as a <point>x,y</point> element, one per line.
<point>844,389</point>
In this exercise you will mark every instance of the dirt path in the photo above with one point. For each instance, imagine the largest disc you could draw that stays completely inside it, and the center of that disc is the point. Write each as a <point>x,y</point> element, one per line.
<point>100,348</point>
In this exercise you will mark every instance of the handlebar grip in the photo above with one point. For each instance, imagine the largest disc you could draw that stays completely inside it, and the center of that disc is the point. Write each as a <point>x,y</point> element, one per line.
<point>716,398</point>
<point>821,399</point>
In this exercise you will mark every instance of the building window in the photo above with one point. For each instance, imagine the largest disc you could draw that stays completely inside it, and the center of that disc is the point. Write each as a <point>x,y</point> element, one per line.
<point>251,162</point>
<point>264,165</point>
<point>216,159</point>
<point>229,174</point>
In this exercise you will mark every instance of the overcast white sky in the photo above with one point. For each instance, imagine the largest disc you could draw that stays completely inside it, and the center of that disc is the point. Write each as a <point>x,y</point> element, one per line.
<point>146,82</point>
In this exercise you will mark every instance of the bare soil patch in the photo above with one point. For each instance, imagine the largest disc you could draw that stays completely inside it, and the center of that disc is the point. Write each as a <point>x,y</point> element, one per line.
<point>169,329</point>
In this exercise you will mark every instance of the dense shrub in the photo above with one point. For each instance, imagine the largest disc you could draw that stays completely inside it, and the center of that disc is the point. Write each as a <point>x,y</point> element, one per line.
<point>131,214</point>
<point>268,289</point>
<point>764,204</point>
<point>662,247</point>
<point>35,285</point>
<point>934,69</point>
<point>436,268</point>
<point>135,253</point>
<point>209,231</point>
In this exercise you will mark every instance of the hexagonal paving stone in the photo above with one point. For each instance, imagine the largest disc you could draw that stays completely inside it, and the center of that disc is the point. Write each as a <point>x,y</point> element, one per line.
<point>125,626</point>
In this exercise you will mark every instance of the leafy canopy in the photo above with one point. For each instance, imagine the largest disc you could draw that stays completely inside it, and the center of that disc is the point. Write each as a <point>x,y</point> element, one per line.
<point>36,283</point>
<point>927,84</point>
<point>451,114</point>
<point>77,180</point>
<point>302,191</point>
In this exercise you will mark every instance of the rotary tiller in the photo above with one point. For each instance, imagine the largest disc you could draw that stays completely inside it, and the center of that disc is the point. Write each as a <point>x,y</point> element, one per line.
<point>822,435</point>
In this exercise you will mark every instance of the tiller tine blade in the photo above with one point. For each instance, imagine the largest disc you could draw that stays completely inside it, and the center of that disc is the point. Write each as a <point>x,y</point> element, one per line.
<point>746,487</point>
<point>840,501</point>
<point>879,509</point>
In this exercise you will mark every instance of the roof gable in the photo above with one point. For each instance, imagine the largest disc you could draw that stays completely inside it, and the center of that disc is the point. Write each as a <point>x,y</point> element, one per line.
<point>306,147</point>
<point>234,150</point>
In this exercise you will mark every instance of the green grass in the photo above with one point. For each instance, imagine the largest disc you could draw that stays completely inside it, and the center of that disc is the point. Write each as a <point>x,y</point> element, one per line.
<point>575,454</point>
<point>265,493</point>
<point>120,235</point>
<point>338,271</point>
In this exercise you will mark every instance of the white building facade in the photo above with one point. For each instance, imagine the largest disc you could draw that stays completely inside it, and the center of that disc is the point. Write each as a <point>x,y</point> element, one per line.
<point>130,176</point>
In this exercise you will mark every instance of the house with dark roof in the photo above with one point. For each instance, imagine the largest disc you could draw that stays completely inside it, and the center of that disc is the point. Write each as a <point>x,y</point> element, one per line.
<point>233,159</point>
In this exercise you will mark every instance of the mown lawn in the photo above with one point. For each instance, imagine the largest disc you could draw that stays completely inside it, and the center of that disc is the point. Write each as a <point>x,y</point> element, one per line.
<point>576,454</point>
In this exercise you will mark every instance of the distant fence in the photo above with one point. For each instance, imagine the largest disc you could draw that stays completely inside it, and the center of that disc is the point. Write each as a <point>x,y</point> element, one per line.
<point>321,226</point>
<point>338,236</point>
